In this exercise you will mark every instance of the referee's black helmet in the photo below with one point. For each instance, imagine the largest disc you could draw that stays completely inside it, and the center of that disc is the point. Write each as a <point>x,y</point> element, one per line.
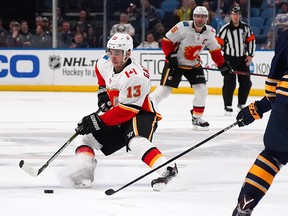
<point>235,9</point>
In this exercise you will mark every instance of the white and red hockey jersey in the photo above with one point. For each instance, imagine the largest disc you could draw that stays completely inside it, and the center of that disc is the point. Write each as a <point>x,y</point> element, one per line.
<point>128,90</point>
<point>190,44</point>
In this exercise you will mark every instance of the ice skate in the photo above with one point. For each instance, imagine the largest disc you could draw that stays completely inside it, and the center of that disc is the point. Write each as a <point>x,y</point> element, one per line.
<point>228,110</point>
<point>161,182</point>
<point>244,206</point>
<point>239,212</point>
<point>240,106</point>
<point>200,124</point>
<point>85,165</point>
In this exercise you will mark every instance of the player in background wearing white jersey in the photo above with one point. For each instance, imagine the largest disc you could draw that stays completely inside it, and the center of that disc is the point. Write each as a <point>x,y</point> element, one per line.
<point>129,119</point>
<point>182,46</point>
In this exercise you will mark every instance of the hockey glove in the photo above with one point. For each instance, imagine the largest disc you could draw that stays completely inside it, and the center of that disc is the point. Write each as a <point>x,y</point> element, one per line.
<point>172,60</point>
<point>104,102</point>
<point>89,124</point>
<point>226,69</point>
<point>248,114</point>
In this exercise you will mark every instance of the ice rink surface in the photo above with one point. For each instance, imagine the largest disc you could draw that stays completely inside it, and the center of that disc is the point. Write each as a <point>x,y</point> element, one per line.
<point>34,125</point>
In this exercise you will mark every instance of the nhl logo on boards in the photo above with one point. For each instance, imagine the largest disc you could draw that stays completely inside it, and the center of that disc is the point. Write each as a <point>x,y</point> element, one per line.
<point>54,62</point>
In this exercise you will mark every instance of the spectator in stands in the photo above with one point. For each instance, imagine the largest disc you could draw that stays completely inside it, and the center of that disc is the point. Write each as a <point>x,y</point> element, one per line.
<point>212,14</point>
<point>91,37</point>
<point>11,23</point>
<point>83,18</point>
<point>14,39</point>
<point>225,6</point>
<point>80,28</point>
<point>123,26</point>
<point>151,15</point>
<point>26,35</point>
<point>283,7</point>
<point>46,26</point>
<point>277,24</point>
<point>78,41</point>
<point>66,35</point>
<point>38,21</point>
<point>244,7</point>
<point>185,10</point>
<point>213,19</point>
<point>159,32</point>
<point>149,42</point>
<point>132,12</point>
<point>60,19</point>
<point>41,39</point>
<point>3,34</point>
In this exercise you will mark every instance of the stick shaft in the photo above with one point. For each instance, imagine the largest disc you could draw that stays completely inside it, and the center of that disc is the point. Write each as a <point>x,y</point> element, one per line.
<point>238,72</point>
<point>35,172</point>
<point>111,191</point>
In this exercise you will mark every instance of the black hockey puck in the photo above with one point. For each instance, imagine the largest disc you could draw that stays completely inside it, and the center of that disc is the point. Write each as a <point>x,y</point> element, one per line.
<point>49,191</point>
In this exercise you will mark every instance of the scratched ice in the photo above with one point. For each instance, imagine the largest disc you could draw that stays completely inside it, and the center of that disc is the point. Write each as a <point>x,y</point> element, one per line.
<point>34,125</point>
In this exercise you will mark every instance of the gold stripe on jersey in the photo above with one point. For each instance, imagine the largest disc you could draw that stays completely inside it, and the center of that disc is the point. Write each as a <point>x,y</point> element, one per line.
<point>282,86</point>
<point>135,128</point>
<point>282,92</point>
<point>189,67</point>
<point>151,109</point>
<point>270,87</point>
<point>152,128</point>
<point>150,106</point>
<point>128,108</point>
<point>166,75</point>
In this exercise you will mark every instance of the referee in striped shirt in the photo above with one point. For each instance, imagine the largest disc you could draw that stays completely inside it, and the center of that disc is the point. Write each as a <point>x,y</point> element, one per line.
<point>238,44</point>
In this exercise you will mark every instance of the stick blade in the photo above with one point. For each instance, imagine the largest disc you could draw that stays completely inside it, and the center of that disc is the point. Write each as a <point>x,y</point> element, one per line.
<point>28,168</point>
<point>110,192</point>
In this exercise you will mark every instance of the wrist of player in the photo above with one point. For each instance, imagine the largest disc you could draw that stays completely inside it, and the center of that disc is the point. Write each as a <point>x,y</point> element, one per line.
<point>249,114</point>
<point>255,111</point>
<point>105,106</point>
<point>89,124</point>
<point>172,60</point>
<point>225,68</point>
<point>104,102</point>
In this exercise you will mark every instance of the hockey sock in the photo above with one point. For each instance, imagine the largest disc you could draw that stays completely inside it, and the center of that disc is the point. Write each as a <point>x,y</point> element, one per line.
<point>259,178</point>
<point>85,149</point>
<point>150,155</point>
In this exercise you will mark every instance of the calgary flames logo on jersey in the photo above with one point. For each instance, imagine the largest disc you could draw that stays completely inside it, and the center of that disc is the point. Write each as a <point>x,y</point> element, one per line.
<point>191,52</point>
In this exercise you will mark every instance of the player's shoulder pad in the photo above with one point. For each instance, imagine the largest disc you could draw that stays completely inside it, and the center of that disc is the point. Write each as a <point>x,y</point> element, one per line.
<point>106,57</point>
<point>210,30</point>
<point>185,23</point>
<point>103,59</point>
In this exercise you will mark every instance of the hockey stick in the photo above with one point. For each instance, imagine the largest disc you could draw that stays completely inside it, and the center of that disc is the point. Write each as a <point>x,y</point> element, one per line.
<point>112,191</point>
<point>35,172</point>
<point>238,72</point>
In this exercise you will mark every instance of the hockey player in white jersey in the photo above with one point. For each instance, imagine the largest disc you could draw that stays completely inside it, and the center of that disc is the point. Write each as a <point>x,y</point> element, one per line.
<point>130,116</point>
<point>182,46</point>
